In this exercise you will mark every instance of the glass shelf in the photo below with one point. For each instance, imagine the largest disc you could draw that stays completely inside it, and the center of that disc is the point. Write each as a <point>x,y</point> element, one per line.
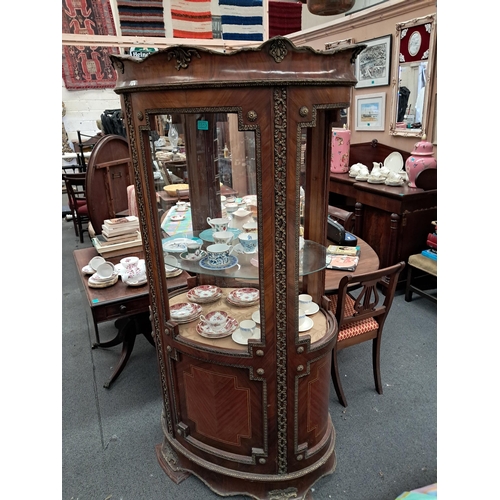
<point>311,260</point>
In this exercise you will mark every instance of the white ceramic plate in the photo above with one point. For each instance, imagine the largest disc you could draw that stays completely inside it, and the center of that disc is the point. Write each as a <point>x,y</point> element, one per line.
<point>376,180</point>
<point>239,339</point>
<point>394,162</point>
<point>307,325</point>
<point>177,217</point>
<point>256,317</point>
<point>313,309</point>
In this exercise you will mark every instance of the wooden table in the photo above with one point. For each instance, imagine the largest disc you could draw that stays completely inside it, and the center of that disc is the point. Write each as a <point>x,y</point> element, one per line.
<point>128,306</point>
<point>394,221</point>
<point>368,262</point>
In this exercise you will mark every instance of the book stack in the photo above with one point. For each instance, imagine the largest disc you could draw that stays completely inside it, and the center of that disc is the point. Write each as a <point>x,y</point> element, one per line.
<point>120,235</point>
<point>431,252</point>
<point>342,258</point>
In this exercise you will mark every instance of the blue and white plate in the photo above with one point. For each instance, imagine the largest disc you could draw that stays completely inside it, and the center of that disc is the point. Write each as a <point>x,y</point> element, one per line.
<point>232,262</point>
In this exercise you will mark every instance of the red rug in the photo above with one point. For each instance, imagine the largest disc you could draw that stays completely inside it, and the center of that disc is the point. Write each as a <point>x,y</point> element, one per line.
<point>87,67</point>
<point>284,18</point>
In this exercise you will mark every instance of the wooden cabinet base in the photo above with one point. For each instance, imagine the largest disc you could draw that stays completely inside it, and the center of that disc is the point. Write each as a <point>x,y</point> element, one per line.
<point>178,463</point>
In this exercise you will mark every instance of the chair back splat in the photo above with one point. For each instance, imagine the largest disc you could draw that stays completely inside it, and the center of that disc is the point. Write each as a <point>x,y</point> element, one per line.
<point>361,315</point>
<point>77,201</point>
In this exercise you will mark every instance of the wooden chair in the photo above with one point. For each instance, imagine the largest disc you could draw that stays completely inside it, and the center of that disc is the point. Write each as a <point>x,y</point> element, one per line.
<point>343,217</point>
<point>361,316</point>
<point>77,201</point>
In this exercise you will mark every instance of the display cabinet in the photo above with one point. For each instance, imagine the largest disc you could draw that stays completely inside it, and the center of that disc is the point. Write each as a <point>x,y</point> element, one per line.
<point>246,416</point>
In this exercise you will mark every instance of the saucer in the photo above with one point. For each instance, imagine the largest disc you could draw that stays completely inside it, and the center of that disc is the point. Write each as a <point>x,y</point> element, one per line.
<point>232,262</point>
<point>192,257</point>
<point>307,325</point>
<point>207,234</point>
<point>239,339</point>
<point>140,282</point>
<point>175,246</point>
<point>177,217</point>
<point>313,308</point>
<point>397,183</point>
<point>88,270</point>
<point>361,178</point>
<point>256,317</point>
<point>376,180</point>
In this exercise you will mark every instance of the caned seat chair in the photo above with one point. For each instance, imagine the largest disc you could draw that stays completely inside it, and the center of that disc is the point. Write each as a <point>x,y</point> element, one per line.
<point>361,313</point>
<point>77,201</point>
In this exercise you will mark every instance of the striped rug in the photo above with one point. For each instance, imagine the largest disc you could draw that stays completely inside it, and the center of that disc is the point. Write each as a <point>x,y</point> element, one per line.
<point>191,18</point>
<point>242,19</point>
<point>141,17</point>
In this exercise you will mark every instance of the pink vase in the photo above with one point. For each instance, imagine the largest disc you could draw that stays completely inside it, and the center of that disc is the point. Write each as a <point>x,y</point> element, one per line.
<point>341,144</point>
<point>422,157</point>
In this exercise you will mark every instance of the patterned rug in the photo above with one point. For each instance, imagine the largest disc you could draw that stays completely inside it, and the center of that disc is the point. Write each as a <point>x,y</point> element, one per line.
<point>87,67</point>
<point>141,17</point>
<point>191,19</point>
<point>242,19</point>
<point>284,18</point>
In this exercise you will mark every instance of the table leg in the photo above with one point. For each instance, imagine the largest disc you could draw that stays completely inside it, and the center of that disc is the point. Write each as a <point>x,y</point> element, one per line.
<point>128,329</point>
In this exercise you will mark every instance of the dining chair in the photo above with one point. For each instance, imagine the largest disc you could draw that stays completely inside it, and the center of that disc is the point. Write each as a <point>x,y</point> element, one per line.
<point>343,217</point>
<point>361,313</point>
<point>77,201</point>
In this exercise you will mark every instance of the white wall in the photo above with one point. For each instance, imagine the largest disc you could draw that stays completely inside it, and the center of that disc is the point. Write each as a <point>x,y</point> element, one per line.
<point>84,107</point>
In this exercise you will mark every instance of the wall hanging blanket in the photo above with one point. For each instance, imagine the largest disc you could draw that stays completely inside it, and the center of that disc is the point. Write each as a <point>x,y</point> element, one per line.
<point>87,67</point>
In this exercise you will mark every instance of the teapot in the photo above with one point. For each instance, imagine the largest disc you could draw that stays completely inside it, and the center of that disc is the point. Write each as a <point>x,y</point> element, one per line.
<point>240,217</point>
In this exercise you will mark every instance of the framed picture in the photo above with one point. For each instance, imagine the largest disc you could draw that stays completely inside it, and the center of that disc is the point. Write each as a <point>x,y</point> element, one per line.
<point>370,112</point>
<point>339,43</point>
<point>373,65</point>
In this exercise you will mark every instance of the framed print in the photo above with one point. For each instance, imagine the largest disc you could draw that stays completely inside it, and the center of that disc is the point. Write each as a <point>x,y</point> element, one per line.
<point>339,43</point>
<point>373,65</point>
<point>370,112</point>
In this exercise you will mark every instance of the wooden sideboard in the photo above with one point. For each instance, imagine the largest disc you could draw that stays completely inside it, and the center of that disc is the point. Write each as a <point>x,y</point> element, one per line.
<point>394,221</point>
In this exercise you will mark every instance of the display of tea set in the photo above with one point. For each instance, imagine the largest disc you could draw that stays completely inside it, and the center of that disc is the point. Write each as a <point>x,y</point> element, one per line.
<point>103,273</point>
<point>219,255</point>
<point>394,171</point>
<point>391,172</point>
<point>220,324</point>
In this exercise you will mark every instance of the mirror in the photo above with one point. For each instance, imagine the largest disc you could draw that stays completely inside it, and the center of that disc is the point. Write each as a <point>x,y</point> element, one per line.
<point>415,57</point>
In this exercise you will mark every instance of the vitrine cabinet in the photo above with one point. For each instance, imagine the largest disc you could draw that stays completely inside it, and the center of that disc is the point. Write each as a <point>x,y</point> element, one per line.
<point>246,419</point>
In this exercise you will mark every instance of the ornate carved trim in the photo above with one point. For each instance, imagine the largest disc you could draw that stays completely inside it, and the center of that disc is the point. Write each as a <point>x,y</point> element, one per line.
<point>182,56</point>
<point>140,189</point>
<point>278,50</point>
<point>280,127</point>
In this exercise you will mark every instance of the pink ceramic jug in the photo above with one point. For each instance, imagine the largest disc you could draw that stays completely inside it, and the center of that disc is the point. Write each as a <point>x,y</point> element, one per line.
<point>422,157</point>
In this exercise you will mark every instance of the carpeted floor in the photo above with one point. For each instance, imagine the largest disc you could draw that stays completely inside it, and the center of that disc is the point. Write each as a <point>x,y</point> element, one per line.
<point>386,444</point>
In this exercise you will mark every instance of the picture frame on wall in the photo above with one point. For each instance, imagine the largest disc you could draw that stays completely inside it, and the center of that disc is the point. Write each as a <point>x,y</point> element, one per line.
<point>373,65</point>
<point>370,112</point>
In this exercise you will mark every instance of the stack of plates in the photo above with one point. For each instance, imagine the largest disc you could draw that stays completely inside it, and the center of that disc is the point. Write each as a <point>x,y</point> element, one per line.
<point>171,272</point>
<point>185,312</point>
<point>95,281</point>
<point>243,297</point>
<point>206,331</point>
<point>204,294</point>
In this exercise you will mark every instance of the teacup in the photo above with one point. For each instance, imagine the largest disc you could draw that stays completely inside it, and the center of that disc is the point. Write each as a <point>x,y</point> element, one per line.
<point>181,206</point>
<point>216,320</point>
<point>218,254</point>
<point>248,241</point>
<point>131,268</point>
<point>250,227</point>
<point>219,224</point>
<point>223,237</point>
<point>302,316</point>
<point>247,328</point>
<point>305,301</point>
<point>231,207</point>
<point>193,247</point>
<point>105,270</point>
